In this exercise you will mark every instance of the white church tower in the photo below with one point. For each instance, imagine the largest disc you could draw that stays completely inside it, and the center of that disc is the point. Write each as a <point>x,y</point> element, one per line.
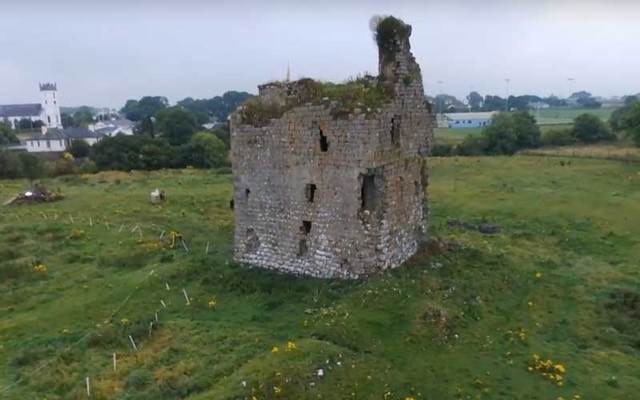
<point>50,108</point>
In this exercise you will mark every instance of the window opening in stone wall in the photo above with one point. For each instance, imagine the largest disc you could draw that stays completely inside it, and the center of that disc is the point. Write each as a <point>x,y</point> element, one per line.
<point>247,192</point>
<point>395,130</point>
<point>310,192</point>
<point>368,193</point>
<point>306,227</point>
<point>303,248</point>
<point>324,144</point>
<point>252,242</point>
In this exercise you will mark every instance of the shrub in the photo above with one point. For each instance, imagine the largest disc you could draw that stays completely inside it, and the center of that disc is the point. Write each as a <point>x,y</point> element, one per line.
<point>441,150</point>
<point>176,125</point>
<point>558,137</point>
<point>472,146</point>
<point>88,167</point>
<point>526,129</point>
<point>80,149</point>
<point>6,135</point>
<point>259,111</point>
<point>204,150</point>
<point>62,167</point>
<point>10,165</point>
<point>510,132</point>
<point>386,31</point>
<point>588,128</point>
<point>126,153</point>
<point>32,166</point>
<point>627,120</point>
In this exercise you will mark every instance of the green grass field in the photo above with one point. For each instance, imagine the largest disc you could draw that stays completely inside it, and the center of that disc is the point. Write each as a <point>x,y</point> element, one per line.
<point>555,116</point>
<point>560,282</point>
<point>552,118</point>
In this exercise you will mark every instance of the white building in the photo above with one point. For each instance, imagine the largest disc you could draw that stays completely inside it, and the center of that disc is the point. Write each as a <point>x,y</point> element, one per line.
<point>113,127</point>
<point>59,140</point>
<point>47,111</point>
<point>469,120</point>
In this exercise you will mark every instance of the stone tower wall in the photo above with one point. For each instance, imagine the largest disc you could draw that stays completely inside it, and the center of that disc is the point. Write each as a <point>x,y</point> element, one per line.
<point>331,197</point>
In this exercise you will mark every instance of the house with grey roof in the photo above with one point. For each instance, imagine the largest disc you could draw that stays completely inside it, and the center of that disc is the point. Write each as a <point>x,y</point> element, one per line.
<point>114,127</point>
<point>60,140</point>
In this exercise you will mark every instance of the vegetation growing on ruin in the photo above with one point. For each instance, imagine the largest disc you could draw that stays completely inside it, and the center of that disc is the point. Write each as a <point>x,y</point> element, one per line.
<point>463,321</point>
<point>364,94</point>
<point>388,30</point>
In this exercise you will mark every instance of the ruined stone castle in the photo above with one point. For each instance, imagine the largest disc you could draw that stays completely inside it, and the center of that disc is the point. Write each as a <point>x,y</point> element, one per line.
<point>330,180</point>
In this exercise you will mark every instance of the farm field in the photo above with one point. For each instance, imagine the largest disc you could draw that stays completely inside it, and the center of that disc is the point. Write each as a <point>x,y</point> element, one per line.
<point>555,116</point>
<point>548,308</point>
<point>552,118</point>
<point>453,136</point>
<point>608,151</point>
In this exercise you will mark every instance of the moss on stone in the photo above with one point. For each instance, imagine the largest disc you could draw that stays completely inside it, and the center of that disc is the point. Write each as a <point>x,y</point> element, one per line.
<point>365,94</point>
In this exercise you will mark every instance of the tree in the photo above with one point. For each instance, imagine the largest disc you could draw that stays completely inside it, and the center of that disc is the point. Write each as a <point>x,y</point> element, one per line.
<point>585,99</point>
<point>148,106</point>
<point>146,127</point>
<point>83,116</point>
<point>25,123</point>
<point>588,128</point>
<point>494,103</point>
<point>32,166</point>
<point>67,120</point>
<point>629,100</point>
<point>205,150</point>
<point>176,125</point>
<point>500,136</point>
<point>137,152</point>
<point>80,149</point>
<point>10,165</point>
<point>627,120</point>
<point>218,107</point>
<point>510,132</point>
<point>6,135</point>
<point>222,132</point>
<point>527,131</point>
<point>554,101</point>
<point>474,99</point>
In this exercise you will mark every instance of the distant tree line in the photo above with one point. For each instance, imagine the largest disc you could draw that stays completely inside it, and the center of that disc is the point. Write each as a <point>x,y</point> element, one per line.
<point>510,132</point>
<point>216,108</point>
<point>476,102</point>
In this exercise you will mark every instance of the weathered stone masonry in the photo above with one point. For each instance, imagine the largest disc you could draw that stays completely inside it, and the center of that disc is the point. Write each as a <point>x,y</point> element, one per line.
<point>335,197</point>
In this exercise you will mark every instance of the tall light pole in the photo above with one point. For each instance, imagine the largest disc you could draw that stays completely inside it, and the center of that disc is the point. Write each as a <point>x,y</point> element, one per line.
<point>439,92</point>
<point>507,81</point>
<point>570,80</point>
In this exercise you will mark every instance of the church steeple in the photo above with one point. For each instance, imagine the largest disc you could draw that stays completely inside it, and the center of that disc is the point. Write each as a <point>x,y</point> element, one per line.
<point>50,107</point>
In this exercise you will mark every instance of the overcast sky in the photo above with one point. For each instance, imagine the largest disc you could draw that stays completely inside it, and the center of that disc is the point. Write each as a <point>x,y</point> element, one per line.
<point>103,52</point>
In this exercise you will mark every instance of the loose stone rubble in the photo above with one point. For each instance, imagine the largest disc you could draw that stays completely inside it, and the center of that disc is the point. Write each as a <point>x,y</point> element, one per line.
<point>335,195</point>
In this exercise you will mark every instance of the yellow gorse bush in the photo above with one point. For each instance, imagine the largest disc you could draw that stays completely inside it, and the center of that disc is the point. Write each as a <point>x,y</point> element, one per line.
<point>291,346</point>
<point>76,234</point>
<point>548,369</point>
<point>40,269</point>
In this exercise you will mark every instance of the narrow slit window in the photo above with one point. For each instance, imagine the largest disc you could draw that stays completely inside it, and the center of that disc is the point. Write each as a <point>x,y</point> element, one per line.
<point>324,144</point>
<point>303,247</point>
<point>247,192</point>
<point>395,130</point>
<point>368,193</point>
<point>306,227</point>
<point>310,192</point>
